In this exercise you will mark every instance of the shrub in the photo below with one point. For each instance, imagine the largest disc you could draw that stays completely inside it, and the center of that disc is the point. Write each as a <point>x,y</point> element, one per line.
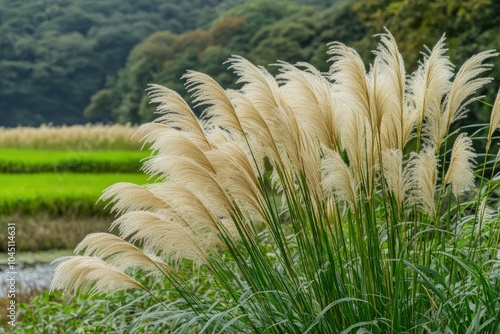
<point>378,227</point>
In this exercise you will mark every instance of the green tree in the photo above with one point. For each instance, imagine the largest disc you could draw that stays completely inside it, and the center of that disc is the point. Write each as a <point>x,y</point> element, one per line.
<point>60,53</point>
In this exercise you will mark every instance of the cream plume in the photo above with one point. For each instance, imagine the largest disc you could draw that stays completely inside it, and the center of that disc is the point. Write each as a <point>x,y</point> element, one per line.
<point>427,87</point>
<point>171,236</point>
<point>86,272</point>
<point>265,95</point>
<point>348,73</point>
<point>310,96</point>
<point>465,84</point>
<point>337,179</point>
<point>125,196</point>
<point>392,161</point>
<point>423,180</point>
<point>207,92</point>
<point>119,253</point>
<point>393,119</point>
<point>176,114</point>
<point>494,119</point>
<point>460,171</point>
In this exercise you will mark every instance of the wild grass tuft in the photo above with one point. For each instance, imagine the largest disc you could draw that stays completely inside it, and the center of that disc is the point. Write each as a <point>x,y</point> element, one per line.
<point>317,202</point>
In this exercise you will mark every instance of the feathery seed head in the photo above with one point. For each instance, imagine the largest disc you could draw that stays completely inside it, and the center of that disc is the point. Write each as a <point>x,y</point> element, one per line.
<point>310,96</point>
<point>169,235</point>
<point>176,113</point>
<point>125,196</point>
<point>119,253</point>
<point>349,75</point>
<point>466,83</point>
<point>390,97</point>
<point>207,92</point>
<point>338,179</point>
<point>422,180</point>
<point>392,161</point>
<point>484,215</point>
<point>431,81</point>
<point>494,120</point>
<point>86,272</point>
<point>460,174</point>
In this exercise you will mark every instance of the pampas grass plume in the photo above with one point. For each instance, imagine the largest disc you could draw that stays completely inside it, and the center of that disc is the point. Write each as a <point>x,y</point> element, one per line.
<point>393,172</point>
<point>88,272</point>
<point>494,120</point>
<point>338,179</point>
<point>423,179</point>
<point>460,171</point>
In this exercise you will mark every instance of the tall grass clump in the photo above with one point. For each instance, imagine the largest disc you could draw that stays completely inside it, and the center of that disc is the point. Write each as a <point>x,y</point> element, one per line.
<point>339,202</point>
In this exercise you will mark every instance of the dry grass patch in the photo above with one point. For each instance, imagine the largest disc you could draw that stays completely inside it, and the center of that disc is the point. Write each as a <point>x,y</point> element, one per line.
<point>76,137</point>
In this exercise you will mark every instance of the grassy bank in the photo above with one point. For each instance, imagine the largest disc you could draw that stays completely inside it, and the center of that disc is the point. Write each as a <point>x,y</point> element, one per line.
<point>43,231</point>
<point>47,161</point>
<point>54,312</point>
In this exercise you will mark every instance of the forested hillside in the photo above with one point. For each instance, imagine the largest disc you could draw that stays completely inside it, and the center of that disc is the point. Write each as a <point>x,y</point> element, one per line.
<point>91,60</point>
<point>262,30</point>
<point>55,54</point>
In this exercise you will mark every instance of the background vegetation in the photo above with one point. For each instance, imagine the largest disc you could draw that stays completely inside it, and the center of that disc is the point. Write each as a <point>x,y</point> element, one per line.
<point>58,193</point>
<point>78,61</point>
<point>43,161</point>
<point>76,138</point>
<point>55,54</point>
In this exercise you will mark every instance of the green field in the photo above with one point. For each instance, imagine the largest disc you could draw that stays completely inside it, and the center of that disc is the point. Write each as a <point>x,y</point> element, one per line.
<point>47,161</point>
<point>52,177</point>
<point>58,193</point>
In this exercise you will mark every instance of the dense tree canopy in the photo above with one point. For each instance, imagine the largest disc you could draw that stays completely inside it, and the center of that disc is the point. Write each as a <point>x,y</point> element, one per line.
<point>261,30</point>
<point>72,61</point>
<point>55,54</point>
<point>470,26</point>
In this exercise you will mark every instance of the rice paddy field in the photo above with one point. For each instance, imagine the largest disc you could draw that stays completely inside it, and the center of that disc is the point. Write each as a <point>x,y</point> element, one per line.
<point>50,181</point>
<point>58,193</point>
<point>55,176</point>
<point>13,160</point>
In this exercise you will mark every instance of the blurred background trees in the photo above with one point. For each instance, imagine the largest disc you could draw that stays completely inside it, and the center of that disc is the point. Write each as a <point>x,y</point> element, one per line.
<point>89,60</point>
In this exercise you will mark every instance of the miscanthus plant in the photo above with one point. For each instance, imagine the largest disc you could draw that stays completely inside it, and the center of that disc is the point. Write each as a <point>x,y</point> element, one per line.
<point>339,202</point>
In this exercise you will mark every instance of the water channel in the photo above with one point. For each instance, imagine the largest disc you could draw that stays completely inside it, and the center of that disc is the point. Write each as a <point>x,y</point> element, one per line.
<point>32,271</point>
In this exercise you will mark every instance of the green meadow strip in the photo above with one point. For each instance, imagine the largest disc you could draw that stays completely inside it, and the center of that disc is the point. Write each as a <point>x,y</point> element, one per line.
<point>47,161</point>
<point>58,193</point>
